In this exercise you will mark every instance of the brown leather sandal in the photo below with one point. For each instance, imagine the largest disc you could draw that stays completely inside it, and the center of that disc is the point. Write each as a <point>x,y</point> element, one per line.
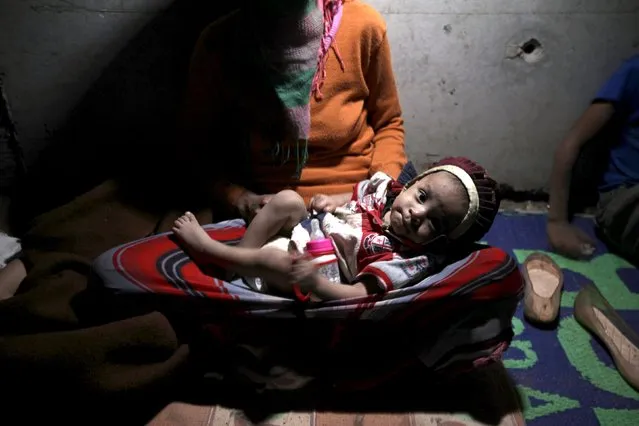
<point>544,281</point>
<point>595,314</point>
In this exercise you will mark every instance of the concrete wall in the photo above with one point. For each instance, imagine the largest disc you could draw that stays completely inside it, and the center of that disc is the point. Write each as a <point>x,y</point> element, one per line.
<point>464,93</point>
<point>464,87</point>
<point>51,51</point>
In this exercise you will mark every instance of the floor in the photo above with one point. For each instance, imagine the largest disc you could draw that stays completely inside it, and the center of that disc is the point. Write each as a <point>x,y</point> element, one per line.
<point>494,400</point>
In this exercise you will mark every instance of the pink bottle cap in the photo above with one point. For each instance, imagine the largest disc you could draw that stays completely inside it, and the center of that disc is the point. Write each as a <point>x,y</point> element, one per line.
<point>320,246</point>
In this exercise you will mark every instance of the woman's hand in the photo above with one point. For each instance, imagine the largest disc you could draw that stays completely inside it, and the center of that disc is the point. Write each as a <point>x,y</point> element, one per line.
<point>249,204</point>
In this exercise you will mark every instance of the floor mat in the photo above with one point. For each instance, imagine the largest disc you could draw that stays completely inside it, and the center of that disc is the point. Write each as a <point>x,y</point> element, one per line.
<point>564,376</point>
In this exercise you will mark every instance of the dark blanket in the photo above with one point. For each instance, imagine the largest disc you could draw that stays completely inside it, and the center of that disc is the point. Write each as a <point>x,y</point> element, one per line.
<point>61,335</point>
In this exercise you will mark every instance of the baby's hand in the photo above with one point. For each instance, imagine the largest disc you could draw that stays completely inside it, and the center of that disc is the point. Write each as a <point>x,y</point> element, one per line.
<point>323,203</point>
<point>304,273</point>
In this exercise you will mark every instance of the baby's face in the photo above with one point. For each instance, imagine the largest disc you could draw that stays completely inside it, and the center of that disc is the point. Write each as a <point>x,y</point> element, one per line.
<point>432,206</point>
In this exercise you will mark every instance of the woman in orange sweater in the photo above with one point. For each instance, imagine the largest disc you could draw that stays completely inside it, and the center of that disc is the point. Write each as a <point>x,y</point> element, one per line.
<point>290,94</point>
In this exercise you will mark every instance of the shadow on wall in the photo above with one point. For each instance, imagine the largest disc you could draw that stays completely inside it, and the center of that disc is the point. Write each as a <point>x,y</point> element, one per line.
<point>125,123</point>
<point>586,176</point>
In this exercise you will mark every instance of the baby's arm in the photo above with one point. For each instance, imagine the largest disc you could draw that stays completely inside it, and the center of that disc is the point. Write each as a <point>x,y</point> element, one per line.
<point>327,290</point>
<point>328,203</point>
<point>341,199</point>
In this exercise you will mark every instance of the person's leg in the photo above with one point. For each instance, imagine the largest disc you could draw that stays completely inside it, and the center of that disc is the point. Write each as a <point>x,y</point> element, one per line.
<point>285,210</point>
<point>618,221</point>
<point>10,278</point>
<point>268,263</point>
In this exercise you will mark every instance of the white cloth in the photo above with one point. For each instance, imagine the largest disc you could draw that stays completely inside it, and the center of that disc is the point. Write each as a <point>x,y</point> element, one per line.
<point>9,248</point>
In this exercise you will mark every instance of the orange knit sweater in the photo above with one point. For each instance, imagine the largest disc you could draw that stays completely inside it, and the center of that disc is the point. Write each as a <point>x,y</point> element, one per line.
<point>356,128</point>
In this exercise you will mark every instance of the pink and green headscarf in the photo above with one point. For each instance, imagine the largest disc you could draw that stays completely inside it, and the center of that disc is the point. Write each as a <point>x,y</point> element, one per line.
<point>295,57</point>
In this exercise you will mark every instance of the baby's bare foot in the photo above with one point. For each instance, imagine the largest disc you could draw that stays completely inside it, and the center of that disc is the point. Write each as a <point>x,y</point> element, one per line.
<point>192,236</point>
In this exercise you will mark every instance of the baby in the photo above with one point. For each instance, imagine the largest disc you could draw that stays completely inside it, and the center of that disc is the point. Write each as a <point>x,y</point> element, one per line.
<point>386,235</point>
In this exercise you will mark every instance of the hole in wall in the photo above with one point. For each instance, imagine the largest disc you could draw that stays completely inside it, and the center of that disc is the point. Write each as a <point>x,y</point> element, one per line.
<point>530,46</point>
<point>531,51</point>
<point>527,46</point>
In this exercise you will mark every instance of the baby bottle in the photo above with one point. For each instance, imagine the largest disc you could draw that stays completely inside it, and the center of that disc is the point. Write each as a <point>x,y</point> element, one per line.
<point>323,253</point>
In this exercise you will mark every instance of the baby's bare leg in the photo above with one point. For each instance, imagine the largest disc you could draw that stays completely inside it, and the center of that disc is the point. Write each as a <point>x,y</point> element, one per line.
<point>271,264</point>
<point>197,243</point>
<point>285,210</point>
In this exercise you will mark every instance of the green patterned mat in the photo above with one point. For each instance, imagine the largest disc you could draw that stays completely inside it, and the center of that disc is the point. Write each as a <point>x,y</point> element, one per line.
<point>564,375</point>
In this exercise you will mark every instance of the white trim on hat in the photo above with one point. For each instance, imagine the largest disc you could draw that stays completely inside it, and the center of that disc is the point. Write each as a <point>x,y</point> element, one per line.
<point>471,189</point>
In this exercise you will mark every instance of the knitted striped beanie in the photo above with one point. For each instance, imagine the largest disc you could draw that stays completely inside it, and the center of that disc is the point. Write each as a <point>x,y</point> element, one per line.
<point>482,195</point>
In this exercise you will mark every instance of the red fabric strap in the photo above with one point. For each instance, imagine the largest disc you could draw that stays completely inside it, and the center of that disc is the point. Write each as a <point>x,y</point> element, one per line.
<point>299,295</point>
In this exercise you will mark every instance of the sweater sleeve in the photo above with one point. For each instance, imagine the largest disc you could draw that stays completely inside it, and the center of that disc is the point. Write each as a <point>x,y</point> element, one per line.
<point>202,104</point>
<point>385,115</point>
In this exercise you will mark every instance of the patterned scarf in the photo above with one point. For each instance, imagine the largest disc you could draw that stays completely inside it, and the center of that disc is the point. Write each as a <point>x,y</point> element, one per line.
<point>295,56</point>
